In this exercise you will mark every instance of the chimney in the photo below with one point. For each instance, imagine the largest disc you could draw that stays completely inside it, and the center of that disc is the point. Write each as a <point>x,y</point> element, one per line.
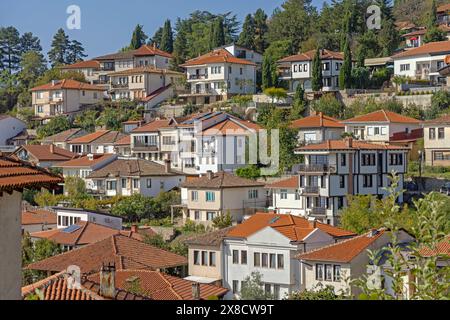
<point>52,148</point>
<point>107,281</point>
<point>154,45</point>
<point>312,222</point>
<point>54,82</point>
<point>167,164</point>
<point>90,157</point>
<point>372,233</point>
<point>134,228</point>
<point>196,291</point>
<point>349,142</point>
<point>210,174</point>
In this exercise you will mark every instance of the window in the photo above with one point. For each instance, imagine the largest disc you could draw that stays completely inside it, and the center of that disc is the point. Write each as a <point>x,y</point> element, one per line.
<point>395,159</point>
<point>135,183</point>
<point>235,286</point>
<point>341,181</point>
<point>253,194</point>
<point>95,95</point>
<point>280,261</point>
<point>297,194</point>
<point>283,193</point>
<point>343,160</point>
<point>441,133</point>
<point>235,256</point>
<point>267,288</point>
<point>340,202</point>
<point>194,195</point>
<point>168,141</point>
<point>212,259</point>
<point>210,216</point>
<point>367,181</point>
<point>377,130</point>
<point>40,109</point>
<point>83,93</point>
<point>432,134</point>
<point>404,67</point>
<point>243,257</point>
<point>319,271</point>
<point>197,215</point>
<point>111,185</point>
<point>337,273</point>
<point>380,180</point>
<point>328,272</point>
<point>256,259</point>
<point>230,70</point>
<point>264,260</point>
<point>196,258</point>
<point>210,196</point>
<point>276,291</point>
<point>273,259</point>
<point>305,67</point>
<point>204,258</point>
<point>326,66</point>
<point>124,183</point>
<point>368,159</point>
<point>149,183</point>
<point>241,71</point>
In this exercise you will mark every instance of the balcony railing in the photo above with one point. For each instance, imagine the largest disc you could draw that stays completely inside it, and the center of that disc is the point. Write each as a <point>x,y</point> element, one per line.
<point>316,168</point>
<point>198,76</point>
<point>119,85</point>
<point>319,211</point>
<point>310,190</point>
<point>285,73</point>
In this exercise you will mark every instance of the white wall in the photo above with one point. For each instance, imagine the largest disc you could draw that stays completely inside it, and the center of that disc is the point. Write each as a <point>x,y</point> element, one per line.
<point>98,218</point>
<point>9,128</point>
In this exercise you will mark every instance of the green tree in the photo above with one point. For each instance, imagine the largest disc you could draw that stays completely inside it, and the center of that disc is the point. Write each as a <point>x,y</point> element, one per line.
<point>217,36</point>
<point>252,288</point>
<point>133,208</point>
<point>180,50</point>
<point>299,103</point>
<point>360,78</point>
<point>138,38</point>
<point>45,199</point>
<point>317,81</point>
<point>433,32</point>
<point>75,52</point>
<point>267,72</point>
<point>156,39</point>
<point>54,126</point>
<point>29,42</point>
<point>222,221</point>
<point>10,49</point>
<point>440,103</point>
<point>59,48</point>
<point>86,120</point>
<point>345,74</point>
<point>247,36</point>
<point>329,105</point>
<point>359,214</point>
<point>57,74</point>
<point>319,292</point>
<point>261,28</point>
<point>388,36</point>
<point>44,248</point>
<point>249,172</point>
<point>167,37</point>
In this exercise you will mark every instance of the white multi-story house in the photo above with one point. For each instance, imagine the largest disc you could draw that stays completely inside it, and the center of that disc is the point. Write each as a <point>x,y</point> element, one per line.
<point>337,168</point>
<point>99,142</point>
<point>437,141</point>
<point>423,62</point>
<point>218,75</point>
<point>268,243</point>
<point>297,69</point>
<point>90,69</point>
<point>244,53</point>
<point>286,196</point>
<point>71,216</point>
<point>64,97</point>
<point>317,128</point>
<point>127,176</point>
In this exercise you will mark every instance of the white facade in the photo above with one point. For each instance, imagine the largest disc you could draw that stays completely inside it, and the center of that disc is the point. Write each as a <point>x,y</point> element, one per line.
<point>244,53</point>
<point>423,66</point>
<point>378,131</point>
<point>287,201</point>
<point>9,128</point>
<point>70,216</point>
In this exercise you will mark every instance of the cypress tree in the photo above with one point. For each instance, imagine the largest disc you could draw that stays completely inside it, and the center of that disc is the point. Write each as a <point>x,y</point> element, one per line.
<point>261,28</point>
<point>317,81</point>
<point>247,36</point>
<point>167,37</point>
<point>267,81</point>
<point>138,38</point>
<point>345,74</point>
<point>217,35</point>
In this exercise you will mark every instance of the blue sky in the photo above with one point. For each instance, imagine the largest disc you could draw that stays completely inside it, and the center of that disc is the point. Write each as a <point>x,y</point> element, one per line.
<point>106,25</point>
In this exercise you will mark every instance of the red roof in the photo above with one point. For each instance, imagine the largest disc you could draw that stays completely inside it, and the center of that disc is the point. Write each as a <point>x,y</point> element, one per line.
<point>318,120</point>
<point>16,175</point>
<point>232,126</point>
<point>152,126</point>
<point>67,84</point>
<point>344,251</point>
<point>85,161</point>
<point>443,8</point>
<point>83,65</point>
<point>38,216</point>
<point>309,56</point>
<point>147,50</point>
<point>440,47</point>
<point>124,141</point>
<point>290,183</point>
<point>382,116</point>
<point>445,119</point>
<point>46,152</point>
<point>89,137</point>
<point>441,248</point>
<point>293,227</point>
<point>344,145</point>
<point>216,56</point>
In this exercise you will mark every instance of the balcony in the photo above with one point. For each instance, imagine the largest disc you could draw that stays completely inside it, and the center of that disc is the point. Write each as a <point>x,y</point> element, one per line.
<point>318,211</point>
<point>144,147</point>
<point>316,168</point>
<point>198,76</point>
<point>52,99</point>
<point>285,73</point>
<point>310,190</point>
<point>119,85</point>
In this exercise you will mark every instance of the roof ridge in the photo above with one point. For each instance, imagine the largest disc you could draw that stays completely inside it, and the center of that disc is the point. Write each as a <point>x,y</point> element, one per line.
<point>163,275</point>
<point>82,231</point>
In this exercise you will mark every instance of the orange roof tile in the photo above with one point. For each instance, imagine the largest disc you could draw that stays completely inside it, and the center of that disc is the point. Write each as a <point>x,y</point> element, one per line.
<point>216,56</point>
<point>83,65</point>
<point>293,227</point>
<point>443,8</point>
<point>309,56</point>
<point>16,175</point>
<point>45,152</point>
<point>382,116</point>
<point>85,161</point>
<point>343,145</point>
<point>290,183</point>
<point>343,251</point>
<point>318,120</point>
<point>219,180</point>
<point>67,84</point>
<point>439,47</point>
<point>442,249</point>
<point>125,252</point>
<point>445,119</point>
<point>124,141</point>
<point>152,126</point>
<point>147,50</point>
<point>91,137</point>
<point>38,217</point>
<point>232,126</point>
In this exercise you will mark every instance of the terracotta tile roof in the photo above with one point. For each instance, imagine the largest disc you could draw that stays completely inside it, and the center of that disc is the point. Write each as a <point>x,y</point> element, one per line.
<point>382,116</point>
<point>89,138</point>
<point>216,56</point>
<point>147,50</point>
<point>213,238</point>
<point>318,120</point>
<point>125,252</point>
<point>92,64</point>
<point>343,145</point>
<point>294,227</point>
<point>404,25</point>
<point>156,93</point>
<point>67,84</point>
<point>38,216</point>
<point>85,161</point>
<point>221,180</point>
<point>142,70</point>
<point>110,137</point>
<point>445,119</point>
<point>442,249</point>
<point>309,56</point>
<point>153,126</point>
<point>231,127</point>
<point>344,251</point>
<point>414,33</point>
<point>16,175</point>
<point>132,168</point>
<point>290,183</point>
<point>64,136</point>
<point>124,141</point>
<point>443,8</point>
<point>160,286</point>
<point>45,152</point>
<point>431,48</point>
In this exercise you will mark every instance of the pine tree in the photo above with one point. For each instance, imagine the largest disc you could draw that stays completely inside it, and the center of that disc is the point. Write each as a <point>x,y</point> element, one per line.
<point>261,28</point>
<point>388,35</point>
<point>433,32</point>
<point>217,33</point>
<point>179,49</point>
<point>157,37</point>
<point>347,25</point>
<point>247,36</point>
<point>167,37</point>
<point>317,81</point>
<point>138,38</point>
<point>28,42</point>
<point>345,74</point>
<point>58,52</point>
<point>10,49</point>
<point>75,52</point>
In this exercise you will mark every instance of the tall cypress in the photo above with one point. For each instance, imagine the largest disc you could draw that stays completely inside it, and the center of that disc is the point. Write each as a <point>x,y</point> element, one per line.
<point>261,28</point>
<point>345,74</point>
<point>167,37</point>
<point>317,80</point>
<point>217,33</point>
<point>138,38</point>
<point>247,36</point>
<point>267,74</point>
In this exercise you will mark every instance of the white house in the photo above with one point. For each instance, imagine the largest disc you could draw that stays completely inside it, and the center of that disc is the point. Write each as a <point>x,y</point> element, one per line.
<point>268,244</point>
<point>10,128</point>
<point>244,53</point>
<point>70,216</point>
<point>218,75</point>
<point>297,69</point>
<point>286,196</point>
<point>423,62</point>
<point>337,168</point>
<point>98,142</point>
